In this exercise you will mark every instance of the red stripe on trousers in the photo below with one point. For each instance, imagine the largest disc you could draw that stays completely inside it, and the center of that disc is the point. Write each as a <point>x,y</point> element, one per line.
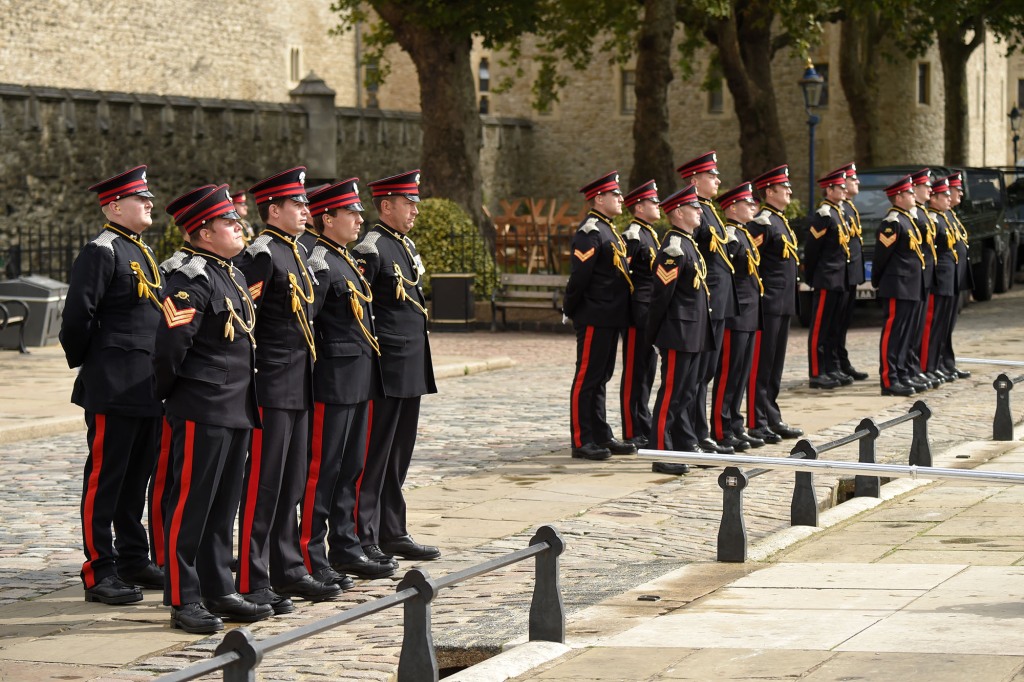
<point>627,385</point>
<point>885,343</point>
<point>578,386</point>
<point>815,333</point>
<point>366,454</point>
<point>752,384</point>
<point>89,508</point>
<point>174,570</point>
<point>719,402</point>
<point>316,446</point>
<point>156,512</point>
<point>927,334</point>
<point>255,456</point>
<point>666,402</point>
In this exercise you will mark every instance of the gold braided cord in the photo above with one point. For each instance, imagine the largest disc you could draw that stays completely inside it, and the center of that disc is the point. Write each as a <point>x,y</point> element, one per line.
<point>402,294</point>
<point>914,236</point>
<point>717,243</point>
<point>619,260</point>
<point>951,234</point>
<point>844,230</point>
<point>243,293</point>
<point>146,286</point>
<point>701,268</point>
<point>654,236</point>
<point>930,232</point>
<point>297,293</point>
<point>356,297</point>
<point>753,258</point>
<point>789,246</point>
<point>856,229</point>
<point>961,231</point>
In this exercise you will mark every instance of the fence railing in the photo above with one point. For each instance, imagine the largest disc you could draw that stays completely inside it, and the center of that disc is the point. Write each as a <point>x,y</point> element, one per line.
<point>1002,422</point>
<point>239,654</point>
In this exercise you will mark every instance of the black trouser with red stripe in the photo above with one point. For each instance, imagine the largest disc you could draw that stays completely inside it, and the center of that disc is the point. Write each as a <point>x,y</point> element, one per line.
<point>731,380</point>
<point>708,364</point>
<point>938,320</point>
<point>380,504</point>
<point>947,359</point>
<point>337,447</point>
<point>275,478</point>
<point>208,462</point>
<point>914,365</point>
<point>769,359</point>
<point>122,454</point>
<point>673,408</point>
<point>845,319</point>
<point>897,330</point>
<point>160,496</point>
<point>822,337</point>
<point>595,364</point>
<point>639,364</point>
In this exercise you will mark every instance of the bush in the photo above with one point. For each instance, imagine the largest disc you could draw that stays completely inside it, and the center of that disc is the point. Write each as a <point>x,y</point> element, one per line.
<point>448,241</point>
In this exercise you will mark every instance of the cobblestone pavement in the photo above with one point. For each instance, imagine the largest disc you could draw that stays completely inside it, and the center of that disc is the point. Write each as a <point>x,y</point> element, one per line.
<point>511,427</point>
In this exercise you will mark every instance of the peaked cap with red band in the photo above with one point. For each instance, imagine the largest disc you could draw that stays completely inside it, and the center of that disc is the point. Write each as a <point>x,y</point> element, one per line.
<point>850,169</point>
<point>705,163</point>
<point>687,196</point>
<point>344,194</point>
<point>833,179</point>
<point>922,177</point>
<point>131,182</point>
<point>605,183</point>
<point>238,197</point>
<point>404,184</point>
<point>177,206</point>
<point>940,186</point>
<point>956,180</point>
<point>648,190</point>
<point>776,176</point>
<point>289,184</point>
<point>215,204</point>
<point>741,192</point>
<point>901,185</point>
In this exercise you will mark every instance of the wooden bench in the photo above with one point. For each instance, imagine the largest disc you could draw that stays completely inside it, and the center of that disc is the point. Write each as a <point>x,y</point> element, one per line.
<point>16,318</point>
<point>544,292</point>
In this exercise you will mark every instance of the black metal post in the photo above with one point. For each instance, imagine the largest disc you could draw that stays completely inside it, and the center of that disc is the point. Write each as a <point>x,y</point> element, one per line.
<point>1002,423</point>
<point>867,486</point>
<point>418,660</point>
<point>920,450</point>
<point>804,509</point>
<point>732,533</point>
<point>547,611</point>
<point>241,641</point>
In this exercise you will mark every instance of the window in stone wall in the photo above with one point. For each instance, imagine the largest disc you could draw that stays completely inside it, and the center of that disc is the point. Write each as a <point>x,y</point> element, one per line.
<point>924,83</point>
<point>716,96</point>
<point>627,92</point>
<point>295,64</point>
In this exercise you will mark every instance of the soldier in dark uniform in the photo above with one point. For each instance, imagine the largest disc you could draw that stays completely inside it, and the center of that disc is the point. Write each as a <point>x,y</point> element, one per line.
<point>307,240</point>
<point>270,564</point>
<point>826,265</point>
<point>733,372</point>
<point>939,313</point>
<point>777,245</point>
<point>346,376</point>
<point>597,301</point>
<point>680,325</point>
<point>922,185</point>
<point>388,260</point>
<point>204,367</point>
<point>855,272</point>
<point>639,357</point>
<point>712,242</point>
<point>898,274</point>
<point>964,275</point>
<point>108,330</point>
<point>242,209</point>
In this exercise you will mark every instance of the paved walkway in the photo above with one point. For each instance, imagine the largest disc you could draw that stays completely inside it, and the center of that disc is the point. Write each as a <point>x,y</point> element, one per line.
<point>491,465</point>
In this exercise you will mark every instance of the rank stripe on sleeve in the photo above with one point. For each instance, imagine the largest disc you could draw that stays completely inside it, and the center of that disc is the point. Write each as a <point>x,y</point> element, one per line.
<point>887,241</point>
<point>175,317</point>
<point>584,256</point>
<point>666,275</point>
<point>818,234</point>
<point>255,290</point>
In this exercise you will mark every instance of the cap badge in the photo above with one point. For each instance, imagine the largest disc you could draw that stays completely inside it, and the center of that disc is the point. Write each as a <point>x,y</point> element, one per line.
<point>416,179</point>
<point>302,177</point>
<point>143,176</point>
<point>355,188</point>
<point>227,195</point>
<point>654,186</point>
<point>714,157</point>
<point>183,295</point>
<point>616,178</point>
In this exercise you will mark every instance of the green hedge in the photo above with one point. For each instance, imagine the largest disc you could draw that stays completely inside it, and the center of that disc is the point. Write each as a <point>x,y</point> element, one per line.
<point>448,241</point>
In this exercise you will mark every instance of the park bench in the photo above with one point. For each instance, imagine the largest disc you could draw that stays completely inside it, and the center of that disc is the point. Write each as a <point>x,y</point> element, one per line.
<point>544,292</point>
<point>14,318</point>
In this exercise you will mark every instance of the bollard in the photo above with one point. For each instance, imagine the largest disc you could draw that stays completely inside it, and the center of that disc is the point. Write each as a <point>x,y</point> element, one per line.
<point>241,641</point>
<point>732,533</point>
<point>920,450</point>
<point>804,509</point>
<point>418,660</point>
<point>867,486</point>
<point>1002,423</point>
<point>547,611</point>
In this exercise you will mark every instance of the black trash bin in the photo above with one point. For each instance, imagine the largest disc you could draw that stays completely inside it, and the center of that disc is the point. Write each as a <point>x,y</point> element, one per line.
<point>45,298</point>
<point>454,308</point>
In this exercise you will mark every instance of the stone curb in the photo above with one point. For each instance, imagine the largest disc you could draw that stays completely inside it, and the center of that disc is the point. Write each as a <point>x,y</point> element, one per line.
<point>460,369</point>
<point>512,662</point>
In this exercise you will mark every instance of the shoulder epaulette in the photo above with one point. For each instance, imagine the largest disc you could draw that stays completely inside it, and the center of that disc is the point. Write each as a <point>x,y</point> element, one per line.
<point>674,247</point>
<point>632,232</point>
<point>259,245</point>
<point>763,218</point>
<point>106,240</point>
<point>367,244</point>
<point>824,210</point>
<point>893,216</point>
<point>173,263</point>
<point>318,259</point>
<point>195,267</point>
<point>589,225</point>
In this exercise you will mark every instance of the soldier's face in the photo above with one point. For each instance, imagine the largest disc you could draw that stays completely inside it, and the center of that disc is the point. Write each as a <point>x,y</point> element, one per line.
<point>647,211</point>
<point>743,211</point>
<point>707,184</point>
<point>835,193</point>
<point>940,202</point>
<point>955,195</point>
<point>687,217</point>
<point>134,213</point>
<point>400,213</point>
<point>242,209</point>
<point>222,236</point>
<point>778,196</point>
<point>344,227</point>
<point>608,203</point>
<point>922,192</point>
<point>291,216</point>
<point>852,187</point>
<point>905,200</point>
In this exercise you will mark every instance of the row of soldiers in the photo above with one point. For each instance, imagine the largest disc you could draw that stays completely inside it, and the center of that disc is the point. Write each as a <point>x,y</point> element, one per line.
<point>715,295</point>
<point>248,383</point>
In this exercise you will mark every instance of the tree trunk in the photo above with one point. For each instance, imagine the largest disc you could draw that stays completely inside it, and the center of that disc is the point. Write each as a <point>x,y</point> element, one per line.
<point>953,54</point>
<point>652,151</point>
<point>450,119</point>
<point>859,61</point>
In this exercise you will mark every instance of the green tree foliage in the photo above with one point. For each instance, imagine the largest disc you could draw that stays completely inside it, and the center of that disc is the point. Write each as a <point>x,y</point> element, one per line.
<point>448,242</point>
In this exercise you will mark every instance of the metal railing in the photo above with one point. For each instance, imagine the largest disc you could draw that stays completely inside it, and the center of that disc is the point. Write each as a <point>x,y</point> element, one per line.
<point>1002,422</point>
<point>732,532</point>
<point>239,653</point>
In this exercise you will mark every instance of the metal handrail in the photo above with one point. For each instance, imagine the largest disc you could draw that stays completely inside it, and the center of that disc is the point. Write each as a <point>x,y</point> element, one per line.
<point>1002,422</point>
<point>239,653</point>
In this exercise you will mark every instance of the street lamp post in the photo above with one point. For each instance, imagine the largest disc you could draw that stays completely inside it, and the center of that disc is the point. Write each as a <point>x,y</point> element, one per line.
<point>812,85</point>
<point>1015,117</point>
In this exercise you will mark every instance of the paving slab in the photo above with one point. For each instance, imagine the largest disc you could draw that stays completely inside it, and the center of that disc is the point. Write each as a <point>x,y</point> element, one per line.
<point>940,667</point>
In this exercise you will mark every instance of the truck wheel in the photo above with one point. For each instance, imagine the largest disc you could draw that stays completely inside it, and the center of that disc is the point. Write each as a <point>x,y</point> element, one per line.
<point>985,276</point>
<point>1004,272</point>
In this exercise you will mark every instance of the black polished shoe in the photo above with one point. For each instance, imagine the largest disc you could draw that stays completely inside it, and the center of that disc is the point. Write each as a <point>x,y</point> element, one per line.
<point>193,618</point>
<point>708,445</point>
<point>734,443</point>
<point>308,589</point>
<point>617,447</point>
<point>363,567</point>
<point>237,608</point>
<point>944,375</point>
<point>407,548</point>
<point>374,553</point>
<point>898,390</point>
<point>916,384</point>
<point>961,373</point>
<point>591,451</point>
<point>113,590</point>
<point>638,442</point>
<point>149,578</point>
<point>766,434</point>
<point>855,373</point>
<point>752,441</point>
<point>268,596</point>
<point>328,576</point>
<point>672,468</point>
<point>787,431</point>
<point>936,377</point>
<point>843,378</point>
<point>823,381</point>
